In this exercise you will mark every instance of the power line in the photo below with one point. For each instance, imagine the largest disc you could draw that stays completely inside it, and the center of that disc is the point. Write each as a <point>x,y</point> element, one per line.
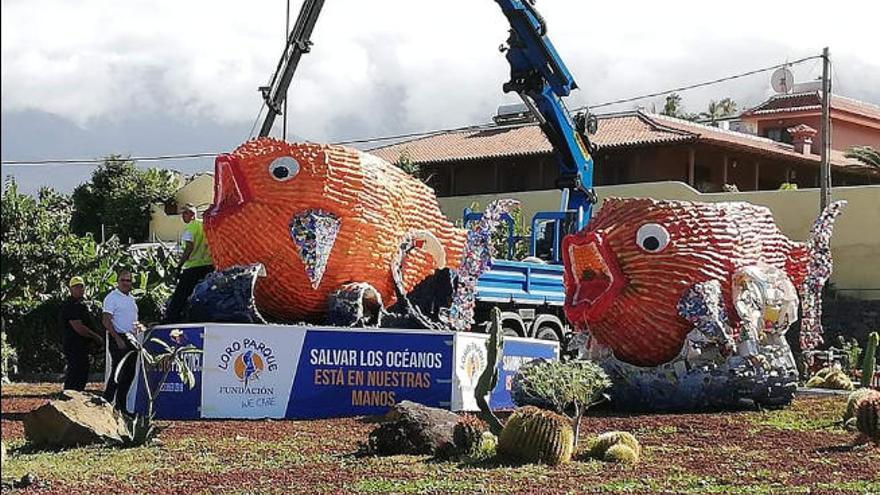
<point>698,85</point>
<point>91,161</point>
<point>469,127</point>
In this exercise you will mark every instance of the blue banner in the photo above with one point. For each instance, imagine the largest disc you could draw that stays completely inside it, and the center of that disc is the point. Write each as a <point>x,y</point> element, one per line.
<point>174,400</point>
<point>365,372</point>
<point>515,353</point>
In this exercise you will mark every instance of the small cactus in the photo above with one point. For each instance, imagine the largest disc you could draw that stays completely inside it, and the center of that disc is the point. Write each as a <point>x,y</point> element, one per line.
<point>534,435</point>
<point>867,413</point>
<point>849,413</point>
<point>468,434</point>
<point>600,445</point>
<point>621,453</point>
<point>489,377</point>
<point>869,362</point>
<point>831,378</point>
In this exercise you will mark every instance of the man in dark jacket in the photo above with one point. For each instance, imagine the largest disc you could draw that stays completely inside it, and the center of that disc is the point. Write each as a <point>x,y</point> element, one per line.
<point>76,334</point>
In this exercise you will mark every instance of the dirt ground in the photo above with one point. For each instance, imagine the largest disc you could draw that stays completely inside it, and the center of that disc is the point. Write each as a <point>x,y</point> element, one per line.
<point>800,449</point>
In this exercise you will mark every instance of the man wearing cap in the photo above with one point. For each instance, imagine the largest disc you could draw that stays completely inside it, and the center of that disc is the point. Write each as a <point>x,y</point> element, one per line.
<point>195,264</point>
<point>120,320</point>
<point>75,322</point>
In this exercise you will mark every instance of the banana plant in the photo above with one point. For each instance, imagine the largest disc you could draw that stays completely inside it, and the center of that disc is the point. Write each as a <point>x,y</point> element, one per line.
<point>169,357</point>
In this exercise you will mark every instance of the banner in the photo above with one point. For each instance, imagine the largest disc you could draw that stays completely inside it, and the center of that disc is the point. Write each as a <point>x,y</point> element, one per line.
<point>357,372</point>
<point>288,371</point>
<point>248,370</point>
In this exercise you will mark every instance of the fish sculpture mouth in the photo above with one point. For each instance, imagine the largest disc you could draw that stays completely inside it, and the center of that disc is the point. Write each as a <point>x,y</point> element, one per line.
<point>595,276</point>
<point>314,233</point>
<point>230,190</point>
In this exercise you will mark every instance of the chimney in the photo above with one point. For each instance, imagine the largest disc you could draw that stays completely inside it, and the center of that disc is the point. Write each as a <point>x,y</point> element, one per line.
<point>802,138</point>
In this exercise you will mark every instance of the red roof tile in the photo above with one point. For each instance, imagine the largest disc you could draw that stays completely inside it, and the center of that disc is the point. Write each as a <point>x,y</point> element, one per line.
<point>625,130</point>
<point>615,131</point>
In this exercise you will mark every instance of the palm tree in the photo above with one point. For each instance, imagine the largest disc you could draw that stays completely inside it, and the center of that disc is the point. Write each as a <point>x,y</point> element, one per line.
<point>713,112</point>
<point>672,107</point>
<point>865,154</point>
<point>728,107</point>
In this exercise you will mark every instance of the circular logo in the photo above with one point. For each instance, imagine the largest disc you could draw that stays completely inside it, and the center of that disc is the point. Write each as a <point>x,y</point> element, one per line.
<point>248,366</point>
<point>473,361</point>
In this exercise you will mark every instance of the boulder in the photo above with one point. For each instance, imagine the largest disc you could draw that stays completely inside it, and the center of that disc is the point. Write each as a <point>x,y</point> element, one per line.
<point>411,428</point>
<point>77,418</point>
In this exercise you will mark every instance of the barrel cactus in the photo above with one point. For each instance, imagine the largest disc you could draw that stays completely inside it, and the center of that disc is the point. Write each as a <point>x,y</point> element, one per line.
<point>867,413</point>
<point>468,434</point>
<point>832,378</point>
<point>600,445</point>
<point>535,435</point>
<point>869,362</point>
<point>849,413</point>
<point>622,454</point>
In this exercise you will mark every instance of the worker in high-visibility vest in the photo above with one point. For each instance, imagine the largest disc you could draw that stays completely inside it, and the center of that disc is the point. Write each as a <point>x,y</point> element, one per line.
<point>195,264</point>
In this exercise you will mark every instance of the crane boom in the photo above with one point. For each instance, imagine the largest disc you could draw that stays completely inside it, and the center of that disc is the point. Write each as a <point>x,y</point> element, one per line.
<point>298,43</point>
<point>541,79</point>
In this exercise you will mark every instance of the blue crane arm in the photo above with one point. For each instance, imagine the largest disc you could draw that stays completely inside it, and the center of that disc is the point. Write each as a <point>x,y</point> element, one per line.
<point>541,79</point>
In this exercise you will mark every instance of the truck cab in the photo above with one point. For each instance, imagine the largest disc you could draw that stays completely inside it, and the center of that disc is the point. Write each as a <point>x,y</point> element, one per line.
<point>528,290</point>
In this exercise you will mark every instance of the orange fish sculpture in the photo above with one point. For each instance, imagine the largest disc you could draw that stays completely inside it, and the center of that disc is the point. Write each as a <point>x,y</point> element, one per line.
<point>319,217</point>
<point>686,305</point>
<point>627,272</point>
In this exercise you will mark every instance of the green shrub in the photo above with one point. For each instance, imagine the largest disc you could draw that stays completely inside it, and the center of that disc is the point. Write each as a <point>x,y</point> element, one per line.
<point>535,435</point>
<point>567,388</point>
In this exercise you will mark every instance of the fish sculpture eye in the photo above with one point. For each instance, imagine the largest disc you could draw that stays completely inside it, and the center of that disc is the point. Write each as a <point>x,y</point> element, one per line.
<point>283,168</point>
<point>652,237</point>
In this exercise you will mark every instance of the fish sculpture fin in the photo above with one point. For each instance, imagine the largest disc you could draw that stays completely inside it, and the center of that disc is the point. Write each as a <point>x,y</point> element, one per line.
<point>818,271</point>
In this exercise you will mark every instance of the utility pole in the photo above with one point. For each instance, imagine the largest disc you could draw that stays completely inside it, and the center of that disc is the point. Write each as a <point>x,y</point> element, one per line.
<point>825,169</point>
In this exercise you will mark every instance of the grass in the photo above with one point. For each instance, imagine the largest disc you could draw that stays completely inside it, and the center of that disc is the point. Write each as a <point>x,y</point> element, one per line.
<point>794,450</point>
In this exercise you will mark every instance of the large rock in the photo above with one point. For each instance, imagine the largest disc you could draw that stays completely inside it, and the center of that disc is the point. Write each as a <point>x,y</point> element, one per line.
<point>412,428</point>
<point>77,418</point>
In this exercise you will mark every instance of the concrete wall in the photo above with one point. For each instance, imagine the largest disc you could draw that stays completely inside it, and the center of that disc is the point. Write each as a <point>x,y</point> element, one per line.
<point>855,245</point>
<point>199,191</point>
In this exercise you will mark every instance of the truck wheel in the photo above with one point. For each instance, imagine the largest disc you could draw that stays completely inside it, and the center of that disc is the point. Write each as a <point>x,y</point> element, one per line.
<point>509,332</point>
<point>547,332</point>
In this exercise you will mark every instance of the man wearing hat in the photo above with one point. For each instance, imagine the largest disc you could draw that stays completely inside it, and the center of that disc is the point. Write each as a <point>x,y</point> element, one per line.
<point>195,264</point>
<point>75,322</point>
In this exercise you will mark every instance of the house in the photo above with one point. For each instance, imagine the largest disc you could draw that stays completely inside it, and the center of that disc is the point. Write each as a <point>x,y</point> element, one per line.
<point>853,122</point>
<point>632,147</point>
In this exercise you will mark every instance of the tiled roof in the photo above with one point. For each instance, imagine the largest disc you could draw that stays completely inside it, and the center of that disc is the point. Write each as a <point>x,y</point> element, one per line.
<point>812,100</point>
<point>615,131</point>
<point>754,144</point>
<point>633,129</point>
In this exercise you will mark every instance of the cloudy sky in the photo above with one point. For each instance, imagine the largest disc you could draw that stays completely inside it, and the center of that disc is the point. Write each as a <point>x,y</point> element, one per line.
<point>86,78</point>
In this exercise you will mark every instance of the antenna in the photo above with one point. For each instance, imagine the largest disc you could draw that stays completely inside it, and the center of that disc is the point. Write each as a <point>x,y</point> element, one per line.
<point>782,80</point>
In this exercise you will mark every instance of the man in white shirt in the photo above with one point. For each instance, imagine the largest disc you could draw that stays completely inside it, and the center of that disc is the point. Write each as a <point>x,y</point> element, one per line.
<point>120,320</point>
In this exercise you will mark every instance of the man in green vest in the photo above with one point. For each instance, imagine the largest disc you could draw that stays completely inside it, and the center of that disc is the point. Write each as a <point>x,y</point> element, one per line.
<point>195,264</point>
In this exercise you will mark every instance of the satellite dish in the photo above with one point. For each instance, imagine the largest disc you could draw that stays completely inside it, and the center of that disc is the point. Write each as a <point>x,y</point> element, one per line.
<point>782,80</point>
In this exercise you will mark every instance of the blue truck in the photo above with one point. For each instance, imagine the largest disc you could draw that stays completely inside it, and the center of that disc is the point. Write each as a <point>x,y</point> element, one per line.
<point>529,291</point>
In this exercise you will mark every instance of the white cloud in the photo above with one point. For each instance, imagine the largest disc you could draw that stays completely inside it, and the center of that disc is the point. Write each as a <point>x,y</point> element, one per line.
<point>384,66</point>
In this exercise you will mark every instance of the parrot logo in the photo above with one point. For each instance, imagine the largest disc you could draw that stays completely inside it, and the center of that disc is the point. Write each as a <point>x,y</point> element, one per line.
<point>248,366</point>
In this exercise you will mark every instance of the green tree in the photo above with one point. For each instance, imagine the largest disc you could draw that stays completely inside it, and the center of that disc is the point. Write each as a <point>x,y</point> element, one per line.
<point>865,154</point>
<point>39,254</point>
<point>404,162</point>
<point>119,196</point>
<point>713,112</point>
<point>672,107</point>
<point>728,107</point>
